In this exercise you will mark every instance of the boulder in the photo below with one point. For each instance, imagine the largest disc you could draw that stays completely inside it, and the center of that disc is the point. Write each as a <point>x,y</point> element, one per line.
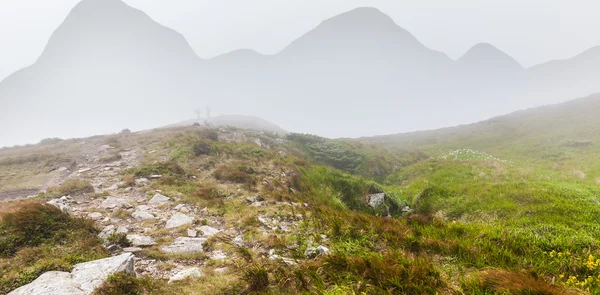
<point>184,246</point>
<point>187,274</point>
<point>376,200</point>
<point>159,199</point>
<point>113,203</point>
<point>179,219</point>
<point>141,241</point>
<point>83,280</point>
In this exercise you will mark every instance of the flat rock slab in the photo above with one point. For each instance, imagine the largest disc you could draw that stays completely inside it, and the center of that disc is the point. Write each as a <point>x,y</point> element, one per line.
<point>187,274</point>
<point>179,219</point>
<point>142,215</point>
<point>208,231</point>
<point>113,202</point>
<point>83,280</point>
<point>141,241</point>
<point>159,199</point>
<point>184,246</point>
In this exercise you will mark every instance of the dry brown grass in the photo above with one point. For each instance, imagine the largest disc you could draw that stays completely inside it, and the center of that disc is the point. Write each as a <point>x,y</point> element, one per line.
<point>517,283</point>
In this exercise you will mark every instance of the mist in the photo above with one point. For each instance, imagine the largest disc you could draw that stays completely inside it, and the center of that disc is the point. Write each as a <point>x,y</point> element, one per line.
<point>109,66</point>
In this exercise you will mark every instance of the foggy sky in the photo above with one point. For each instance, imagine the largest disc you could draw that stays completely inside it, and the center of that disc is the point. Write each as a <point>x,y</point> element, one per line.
<point>532,31</point>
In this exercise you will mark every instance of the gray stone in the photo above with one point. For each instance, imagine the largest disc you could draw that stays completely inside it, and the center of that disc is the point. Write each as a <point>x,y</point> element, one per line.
<point>141,241</point>
<point>132,249</point>
<point>238,241</point>
<point>113,203</point>
<point>95,215</point>
<point>221,270</point>
<point>107,231</point>
<point>122,229</point>
<point>83,280</point>
<point>187,274</point>
<point>179,219</point>
<point>217,255</point>
<point>192,233</point>
<point>142,208</point>
<point>208,231</point>
<point>142,215</point>
<point>84,170</point>
<point>141,181</point>
<point>159,199</point>
<point>376,200</point>
<point>184,246</point>
<point>60,204</point>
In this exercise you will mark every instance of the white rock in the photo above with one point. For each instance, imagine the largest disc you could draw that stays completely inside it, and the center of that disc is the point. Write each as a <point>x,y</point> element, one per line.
<point>62,169</point>
<point>107,231</point>
<point>141,241</point>
<point>142,208</point>
<point>159,199</point>
<point>95,215</point>
<point>60,204</point>
<point>132,249</point>
<point>179,219</point>
<point>217,255</point>
<point>187,274</point>
<point>142,215</point>
<point>238,241</point>
<point>184,246</point>
<point>83,280</point>
<point>376,200</point>
<point>208,231</point>
<point>113,202</point>
<point>122,229</point>
<point>141,181</point>
<point>221,270</point>
<point>192,233</point>
<point>84,170</point>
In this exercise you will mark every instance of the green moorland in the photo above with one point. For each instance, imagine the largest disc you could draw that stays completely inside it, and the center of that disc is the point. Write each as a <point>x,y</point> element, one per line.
<point>507,206</point>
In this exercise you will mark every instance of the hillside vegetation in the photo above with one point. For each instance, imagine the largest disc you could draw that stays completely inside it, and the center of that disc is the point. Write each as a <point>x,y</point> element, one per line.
<point>479,209</point>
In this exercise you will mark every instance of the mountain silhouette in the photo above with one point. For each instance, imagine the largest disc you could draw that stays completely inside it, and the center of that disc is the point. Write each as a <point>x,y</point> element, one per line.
<point>109,66</point>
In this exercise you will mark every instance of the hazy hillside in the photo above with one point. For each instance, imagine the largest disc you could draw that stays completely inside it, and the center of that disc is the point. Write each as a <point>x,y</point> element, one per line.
<point>109,67</point>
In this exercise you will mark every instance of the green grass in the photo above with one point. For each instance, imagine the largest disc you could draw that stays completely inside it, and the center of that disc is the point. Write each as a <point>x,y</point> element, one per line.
<point>36,238</point>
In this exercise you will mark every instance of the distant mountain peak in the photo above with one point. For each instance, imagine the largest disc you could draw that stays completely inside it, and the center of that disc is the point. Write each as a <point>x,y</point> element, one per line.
<point>485,54</point>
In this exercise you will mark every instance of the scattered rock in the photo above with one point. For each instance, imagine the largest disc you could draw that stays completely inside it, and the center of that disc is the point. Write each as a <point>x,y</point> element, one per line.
<point>132,249</point>
<point>312,253</point>
<point>187,274</point>
<point>217,255</point>
<point>208,231</point>
<point>142,215</point>
<point>288,261</point>
<point>83,280</point>
<point>184,246</point>
<point>376,200</point>
<point>142,181</point>
<point>84,170</point>
<point>60,204</point>
<point>141,241</point>
<point>192,233</point>
<point>95,215</point>
<point>107,231</point>
<point>113,203</point>
<point>179,219</point>
<point>238,241</point>
<point>159,199</point>
<point>122,229</point>
<point>221,270</point>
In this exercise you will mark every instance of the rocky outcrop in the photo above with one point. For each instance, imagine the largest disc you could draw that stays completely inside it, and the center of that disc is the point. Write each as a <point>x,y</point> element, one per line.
<point>83,280</point>
<point>179,219</point>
